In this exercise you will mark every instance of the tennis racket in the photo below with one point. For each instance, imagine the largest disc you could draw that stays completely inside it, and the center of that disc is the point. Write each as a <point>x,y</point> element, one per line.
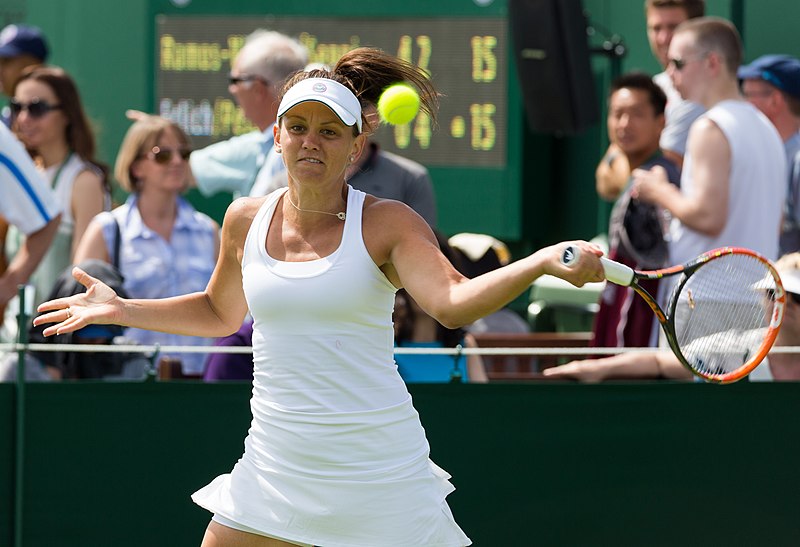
<point>723,313</point>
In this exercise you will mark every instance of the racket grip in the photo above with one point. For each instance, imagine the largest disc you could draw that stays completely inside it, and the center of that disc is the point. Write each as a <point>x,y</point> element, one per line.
<point>617,273</point>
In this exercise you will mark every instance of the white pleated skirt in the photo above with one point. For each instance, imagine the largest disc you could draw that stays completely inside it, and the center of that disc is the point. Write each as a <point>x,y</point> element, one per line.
<point>351,479</point>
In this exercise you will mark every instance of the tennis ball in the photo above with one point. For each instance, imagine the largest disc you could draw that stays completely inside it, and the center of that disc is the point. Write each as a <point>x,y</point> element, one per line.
<point>398,104</point>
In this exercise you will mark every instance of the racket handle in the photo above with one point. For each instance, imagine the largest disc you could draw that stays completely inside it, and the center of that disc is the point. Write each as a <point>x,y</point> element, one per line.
<point>617,273</point>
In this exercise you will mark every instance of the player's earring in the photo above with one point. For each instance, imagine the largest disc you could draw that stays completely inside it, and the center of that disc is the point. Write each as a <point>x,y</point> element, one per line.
<point>277,149</point>
<point>351,159</point>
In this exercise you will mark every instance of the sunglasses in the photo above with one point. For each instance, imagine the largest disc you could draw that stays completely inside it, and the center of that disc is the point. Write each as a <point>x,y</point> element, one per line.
<point>680,64</point>
<point>236,80</point>
<point>35,108</point>
<point>164,155</point>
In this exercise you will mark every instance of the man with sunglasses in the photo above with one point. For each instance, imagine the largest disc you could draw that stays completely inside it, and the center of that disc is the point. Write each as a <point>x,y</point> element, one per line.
<point>257,73</point>
<point>21,47</point>
<point>28,204</point>
<point>733,184</point>
<point>662,17</point>
<point>772,84</point>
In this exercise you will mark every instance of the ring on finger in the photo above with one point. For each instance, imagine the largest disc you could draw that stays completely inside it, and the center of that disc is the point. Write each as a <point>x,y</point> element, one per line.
<point>69,313</point>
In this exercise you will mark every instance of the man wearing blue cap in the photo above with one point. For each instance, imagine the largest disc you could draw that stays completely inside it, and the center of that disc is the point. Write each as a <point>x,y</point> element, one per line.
<point>21,46</point>
<point>772,84</point>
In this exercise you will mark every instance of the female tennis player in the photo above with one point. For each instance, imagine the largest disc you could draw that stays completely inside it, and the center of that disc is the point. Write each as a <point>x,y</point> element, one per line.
<point>336,454</point>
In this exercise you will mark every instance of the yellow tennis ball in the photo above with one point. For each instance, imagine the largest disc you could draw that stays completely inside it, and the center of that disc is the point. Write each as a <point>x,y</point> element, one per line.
<point>398,104</point>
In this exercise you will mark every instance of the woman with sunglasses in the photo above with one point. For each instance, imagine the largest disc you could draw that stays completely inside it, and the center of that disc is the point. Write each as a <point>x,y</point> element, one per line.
<point>166,247</point>
<point>48,117</point>
<point>336,453</point>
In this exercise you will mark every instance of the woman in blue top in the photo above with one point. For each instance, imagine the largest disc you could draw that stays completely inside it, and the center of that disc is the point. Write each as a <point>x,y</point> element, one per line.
<point>413,328</point>
<point>167,248</point>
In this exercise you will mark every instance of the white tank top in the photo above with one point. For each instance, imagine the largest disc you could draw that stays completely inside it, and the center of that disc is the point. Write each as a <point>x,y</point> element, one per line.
<point>336,454</point>
<point>322,335</point>
<point>757,186</point>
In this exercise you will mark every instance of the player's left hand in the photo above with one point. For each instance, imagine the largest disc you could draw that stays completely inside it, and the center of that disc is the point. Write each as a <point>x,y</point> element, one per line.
<point>98,305</point>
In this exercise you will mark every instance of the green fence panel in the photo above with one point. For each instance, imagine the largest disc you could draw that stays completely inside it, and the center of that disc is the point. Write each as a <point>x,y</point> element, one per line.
<point>536,464</point>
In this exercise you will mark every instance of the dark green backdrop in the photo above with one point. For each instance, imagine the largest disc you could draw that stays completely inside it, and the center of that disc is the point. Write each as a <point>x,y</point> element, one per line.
<point>549,464</point>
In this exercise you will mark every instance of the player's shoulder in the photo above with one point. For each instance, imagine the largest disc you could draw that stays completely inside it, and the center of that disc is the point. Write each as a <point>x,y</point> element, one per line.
<point>389,215</point>
<point>241,212</point>
<point>386,209</point>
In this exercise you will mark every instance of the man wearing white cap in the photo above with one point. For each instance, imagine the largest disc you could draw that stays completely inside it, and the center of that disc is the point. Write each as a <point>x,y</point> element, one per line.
<point>777,366</point>
<point>785,366</point>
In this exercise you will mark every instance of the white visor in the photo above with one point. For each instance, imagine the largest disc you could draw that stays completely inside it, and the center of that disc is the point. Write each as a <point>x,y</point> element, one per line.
<point>328,92</point>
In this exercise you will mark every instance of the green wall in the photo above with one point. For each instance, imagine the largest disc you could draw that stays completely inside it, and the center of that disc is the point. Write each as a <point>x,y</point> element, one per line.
<point>539,464</point>
<point>548,196</point>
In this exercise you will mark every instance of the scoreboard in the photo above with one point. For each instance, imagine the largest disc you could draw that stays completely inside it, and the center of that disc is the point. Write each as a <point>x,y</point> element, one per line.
<point>465,58</point>
<point>474,152</point>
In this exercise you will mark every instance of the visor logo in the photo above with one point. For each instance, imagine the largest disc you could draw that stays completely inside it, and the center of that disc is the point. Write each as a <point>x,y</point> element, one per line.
<point>319,87</point>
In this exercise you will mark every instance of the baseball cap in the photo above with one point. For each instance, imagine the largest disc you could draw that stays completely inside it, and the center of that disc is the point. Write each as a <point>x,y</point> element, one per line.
<point>782,71</point>
<point>16,40</point>
<point>328,92</point>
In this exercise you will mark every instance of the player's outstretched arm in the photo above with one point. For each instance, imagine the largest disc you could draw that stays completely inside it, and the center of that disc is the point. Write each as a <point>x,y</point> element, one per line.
<point>409,255</point>
<point>217,311</point>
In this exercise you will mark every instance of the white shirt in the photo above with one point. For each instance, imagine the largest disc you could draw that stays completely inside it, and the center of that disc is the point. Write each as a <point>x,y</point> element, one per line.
<point>757,186</point>
<point>26,202</point>
<point>231,165</point>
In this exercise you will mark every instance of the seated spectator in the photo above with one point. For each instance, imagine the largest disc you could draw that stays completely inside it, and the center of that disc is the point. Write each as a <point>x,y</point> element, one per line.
<point>232,366</point>
<point>49,119</point>
<point>480,254</point>
<point>663,364</point>
<point>414,328</point>
<point>166,247</point>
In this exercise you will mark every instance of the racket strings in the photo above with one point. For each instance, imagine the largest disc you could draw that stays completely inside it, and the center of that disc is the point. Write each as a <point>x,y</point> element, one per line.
<point>722,314</point>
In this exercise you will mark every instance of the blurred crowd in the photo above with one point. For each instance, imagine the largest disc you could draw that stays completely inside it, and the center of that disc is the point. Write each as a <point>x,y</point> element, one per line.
<point>701,155</point>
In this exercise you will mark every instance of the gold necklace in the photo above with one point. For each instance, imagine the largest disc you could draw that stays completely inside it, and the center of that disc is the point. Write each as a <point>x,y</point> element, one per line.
<point>341,215</point>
